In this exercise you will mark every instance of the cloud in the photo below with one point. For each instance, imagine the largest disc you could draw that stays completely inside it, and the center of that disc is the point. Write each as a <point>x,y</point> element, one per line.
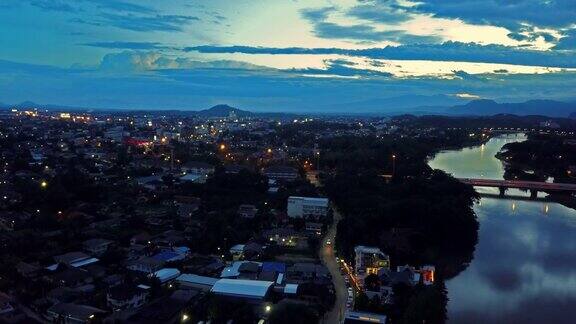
<point>513,15</point>
<point>118,5</point>
<point>128,45</point>
<point>448,51</point>
<point>53,5</point>
<point>385,12</point>
<point>157,81</point>
<point>141,61</point>
<point>323,28</point>
<point>146,23</point>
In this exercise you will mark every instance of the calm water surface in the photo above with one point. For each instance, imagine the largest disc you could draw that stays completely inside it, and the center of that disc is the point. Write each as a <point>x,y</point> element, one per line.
<point>524,267</point>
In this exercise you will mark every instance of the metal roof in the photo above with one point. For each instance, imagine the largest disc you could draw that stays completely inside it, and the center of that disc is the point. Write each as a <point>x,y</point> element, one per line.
<point>166,274</point>
<point>196,279</point>
<point>242,288</point>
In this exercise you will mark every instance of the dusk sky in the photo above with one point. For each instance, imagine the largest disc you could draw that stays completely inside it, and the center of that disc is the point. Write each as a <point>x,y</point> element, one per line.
<point>282,55</point>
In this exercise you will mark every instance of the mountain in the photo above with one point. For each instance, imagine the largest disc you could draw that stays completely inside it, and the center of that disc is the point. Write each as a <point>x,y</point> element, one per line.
<point>412,104</point>
<point>485,107</point>
<point>223,111</point>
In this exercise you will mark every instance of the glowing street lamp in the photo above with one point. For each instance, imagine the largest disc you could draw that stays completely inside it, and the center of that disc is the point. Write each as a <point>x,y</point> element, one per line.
<point>222,147</point>
<point>43,184</point>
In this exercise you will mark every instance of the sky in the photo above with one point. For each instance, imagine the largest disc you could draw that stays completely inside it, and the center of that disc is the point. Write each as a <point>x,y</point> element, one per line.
<point>286,55</point>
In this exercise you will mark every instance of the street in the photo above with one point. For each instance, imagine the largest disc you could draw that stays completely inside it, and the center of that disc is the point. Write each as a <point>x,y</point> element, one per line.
<point>327,256</point>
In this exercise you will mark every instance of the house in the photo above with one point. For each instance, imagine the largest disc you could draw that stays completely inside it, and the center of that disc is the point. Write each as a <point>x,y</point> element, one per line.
<point>283,236</point>
<point>307,207</point>
<point>249,251</point>
<point>146,265</point>
<point>247,211</point>
<point>193,281</point>
<point>166,309</point>
<point>196,167</point>
<point>126,297</point>
<point>71,277</point>
<point>97,246</point>
<point>306,272</point>
<point>166,274</point>
<point>75,259</point>
<point>281,173</point>
<point>68,313</point>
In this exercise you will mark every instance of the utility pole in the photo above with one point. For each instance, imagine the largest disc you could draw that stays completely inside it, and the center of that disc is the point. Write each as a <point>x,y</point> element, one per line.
<point>393,165</point>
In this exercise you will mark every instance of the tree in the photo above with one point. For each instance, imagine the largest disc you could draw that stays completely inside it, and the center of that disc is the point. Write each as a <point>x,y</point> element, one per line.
<point>289,313</point>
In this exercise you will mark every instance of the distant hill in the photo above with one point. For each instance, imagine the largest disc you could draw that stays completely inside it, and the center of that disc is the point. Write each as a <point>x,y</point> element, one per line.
<point>573,115</point>
<point>223,111</point>
<point>484,107</point>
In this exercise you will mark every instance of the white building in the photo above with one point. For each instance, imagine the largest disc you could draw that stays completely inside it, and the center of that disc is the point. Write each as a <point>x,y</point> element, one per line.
<point>300,207</point>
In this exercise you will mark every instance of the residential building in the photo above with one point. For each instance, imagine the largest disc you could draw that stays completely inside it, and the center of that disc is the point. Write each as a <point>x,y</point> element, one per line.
<point>68,313</point>
<point>369,260</point>
<point>306,207</point>
<point>279,172</point>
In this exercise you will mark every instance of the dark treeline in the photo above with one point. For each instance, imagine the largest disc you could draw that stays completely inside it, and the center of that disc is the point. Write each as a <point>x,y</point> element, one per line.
<point>420,216</point>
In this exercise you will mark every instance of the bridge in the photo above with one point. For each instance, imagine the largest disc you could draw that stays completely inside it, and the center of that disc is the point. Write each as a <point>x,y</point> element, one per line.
<point>533,186</point>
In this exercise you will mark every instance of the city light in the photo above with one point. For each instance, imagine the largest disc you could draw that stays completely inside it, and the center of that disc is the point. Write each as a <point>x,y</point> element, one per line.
<point>43,184</point>
<point>268,308</point>
<point>185,317</point>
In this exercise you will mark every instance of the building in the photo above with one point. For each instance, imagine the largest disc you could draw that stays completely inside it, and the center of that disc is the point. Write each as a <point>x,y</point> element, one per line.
<point>97,246</point>
<point>196,167</point>
<point>369,260</point>
<point>306,207</point>
<point>146,265</point>
<point>247,211</point>
<point>247,290</point>
<point>68,313</point>
<point>363,317</point>
<point>192,281</point>
<point>126,297</point>
<point>279,172</point>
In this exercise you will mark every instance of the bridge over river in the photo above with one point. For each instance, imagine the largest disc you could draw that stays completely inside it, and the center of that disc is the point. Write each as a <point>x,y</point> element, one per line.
<point>533,186</point>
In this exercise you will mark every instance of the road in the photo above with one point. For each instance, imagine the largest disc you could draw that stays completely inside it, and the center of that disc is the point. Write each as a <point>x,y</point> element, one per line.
<point>336,315</point>
<point>326,254</point>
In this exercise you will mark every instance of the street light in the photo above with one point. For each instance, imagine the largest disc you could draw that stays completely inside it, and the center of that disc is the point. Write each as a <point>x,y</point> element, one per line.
<point>43,184</point>
<point>393,164</point>
<point>268,308</point>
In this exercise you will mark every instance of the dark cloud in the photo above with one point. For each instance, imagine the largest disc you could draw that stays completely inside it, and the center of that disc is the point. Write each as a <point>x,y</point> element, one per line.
<point>513,15</point>
<point>361,32</point>
<point>379,11</point>
<point>118,5</point>
<point>448,51</point>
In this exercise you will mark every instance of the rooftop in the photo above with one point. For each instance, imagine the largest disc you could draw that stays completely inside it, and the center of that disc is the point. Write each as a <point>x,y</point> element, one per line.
<point>242,288</point>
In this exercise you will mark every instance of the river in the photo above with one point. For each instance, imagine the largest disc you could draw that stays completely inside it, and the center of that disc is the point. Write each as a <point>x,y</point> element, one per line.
<point>524,266</point>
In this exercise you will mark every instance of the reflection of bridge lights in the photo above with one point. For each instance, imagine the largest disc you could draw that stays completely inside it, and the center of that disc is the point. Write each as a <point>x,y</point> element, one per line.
<point>546,208</point>
<point>513,206</point>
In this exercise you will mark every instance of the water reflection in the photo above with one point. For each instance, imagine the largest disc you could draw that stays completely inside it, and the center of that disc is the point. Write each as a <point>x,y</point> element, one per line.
<point>524,267</point>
